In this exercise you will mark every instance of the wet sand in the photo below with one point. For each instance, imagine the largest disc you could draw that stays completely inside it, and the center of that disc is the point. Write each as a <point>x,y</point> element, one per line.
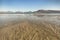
<point>6,18</point>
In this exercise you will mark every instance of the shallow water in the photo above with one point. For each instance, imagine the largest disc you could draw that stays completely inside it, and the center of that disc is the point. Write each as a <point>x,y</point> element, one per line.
<point>4,18</point>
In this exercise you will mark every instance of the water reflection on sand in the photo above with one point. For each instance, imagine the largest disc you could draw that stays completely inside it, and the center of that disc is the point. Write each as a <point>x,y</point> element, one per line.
<point>15,17</point>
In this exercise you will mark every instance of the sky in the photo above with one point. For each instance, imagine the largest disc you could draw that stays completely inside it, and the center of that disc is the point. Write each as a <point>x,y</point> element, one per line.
<point>29,5</point>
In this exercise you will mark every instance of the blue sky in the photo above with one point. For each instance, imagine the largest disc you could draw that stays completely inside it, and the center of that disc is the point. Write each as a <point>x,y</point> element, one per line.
<point>29,5</point>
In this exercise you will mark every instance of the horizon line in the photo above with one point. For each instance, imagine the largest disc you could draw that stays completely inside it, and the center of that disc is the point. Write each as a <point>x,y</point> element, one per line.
<point>27,11</point>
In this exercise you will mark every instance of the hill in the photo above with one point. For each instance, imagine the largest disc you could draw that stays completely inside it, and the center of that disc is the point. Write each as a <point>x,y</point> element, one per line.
<point>47,11</point>
<point>30,12</point>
